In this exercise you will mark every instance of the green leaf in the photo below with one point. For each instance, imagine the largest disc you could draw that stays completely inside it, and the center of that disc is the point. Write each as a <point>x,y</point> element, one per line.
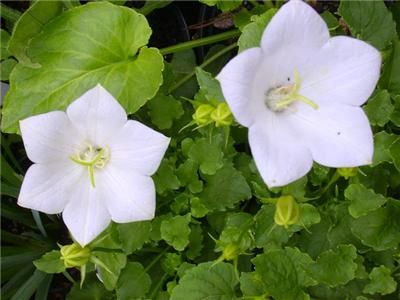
<point>163,110</point>
<point>6,66</point>
<point>4,38</point>
<point>75,57</point>
<point>251,284</point>
<point>252,33</point>
<point>207,154</point>
<point>395,153</point>
<point>383,141</point>
<point>381,282</point>
<point>50,262</point>
<point>379,108</point>
<point>379,229</point>
<point>195,242</point>
<point>309,215</point>
<point>187,174</point>
<point>149,6</point>
<point>29,287</point>
<point>277,271</point>
<point>301,261</point>
<point>133,235</point>
<point>207,281</point>
<point>224,189</point>
<point>369,20</point>
<point>165,178</point>
<point>335,267</point>
<point>92,289</point>
<point>133,282</point>
<point>29,25</point>
<point>390,78</point>
<point>395,116</point>
<point>175,231</point>
<point>362,200</point>
<point>197,208</point>
<point>224,5</point>
<point>209,85</point>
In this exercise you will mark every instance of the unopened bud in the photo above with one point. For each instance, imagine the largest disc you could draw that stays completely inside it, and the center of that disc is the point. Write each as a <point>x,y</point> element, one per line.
<point>230,252</point>
<point>287,211</point>
<point>202,114</point>
<point>347,172</point>
<point>74,255</point>
<point>222,115</point>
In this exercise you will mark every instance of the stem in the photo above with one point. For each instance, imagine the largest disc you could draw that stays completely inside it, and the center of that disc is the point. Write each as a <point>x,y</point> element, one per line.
<point>158,286</point>
<point>200,42</point>
<point>69,277</point>
<point>203,65</point>
<point>9,13</point>
<point>155,260</point>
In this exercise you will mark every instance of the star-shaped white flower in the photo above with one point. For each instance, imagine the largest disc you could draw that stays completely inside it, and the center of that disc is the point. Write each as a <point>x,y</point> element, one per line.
<point>300,95</point>
<point>91,164</point>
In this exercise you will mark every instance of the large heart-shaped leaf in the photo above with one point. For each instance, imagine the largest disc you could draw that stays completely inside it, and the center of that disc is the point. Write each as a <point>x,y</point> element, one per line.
<point>91,44</point>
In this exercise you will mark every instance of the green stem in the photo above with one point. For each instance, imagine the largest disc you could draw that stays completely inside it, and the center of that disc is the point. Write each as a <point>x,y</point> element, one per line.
<point>158,286</point>
<point>155,260</point>
<point>9,13</point>
<point>69,277</point>
<point>200,42</point>
<point>203,65</point>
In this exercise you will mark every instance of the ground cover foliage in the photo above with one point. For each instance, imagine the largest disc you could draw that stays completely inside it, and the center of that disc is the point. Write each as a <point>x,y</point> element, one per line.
<point>216,234</point>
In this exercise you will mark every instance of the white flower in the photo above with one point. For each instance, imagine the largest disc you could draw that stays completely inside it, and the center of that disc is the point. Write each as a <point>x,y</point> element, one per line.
<point>91,164</point>
<point>299,95</point>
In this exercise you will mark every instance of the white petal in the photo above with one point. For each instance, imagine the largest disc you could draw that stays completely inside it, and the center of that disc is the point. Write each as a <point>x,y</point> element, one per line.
<point>236,80</point>
<point>97,115</point>
<point>128,195</point>
<point>345,70</point>
<point>47,188</point>
<point>86,214</point>
<point>337,135</point>
<point>138,147</point>
<point>49,137</point>
<point>295,26</point>
<point>280,156</point>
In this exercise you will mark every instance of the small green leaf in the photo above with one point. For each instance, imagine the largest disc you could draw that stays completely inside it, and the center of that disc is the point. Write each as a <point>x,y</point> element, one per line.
<point>133,235</point>
<point>390,78</point>
<point>379,229</point>
<point>362,200</point>
<point>252,33</point>
<point>187,174</point>
<point>165,178</point>
<point>163,110</point>
<point>76,57</point>
<point>207,281</point>
<point>197,208</point>
<point>6,66</point>
<point>224,5</point>
<point>92,289</point>
<point>369,20</point>
<point>395,116</point>
<point>383,141</point>
<point>133,282</point>
<point>4,38</point>
<point>335,267</point>
<point>209,85</point>
<point>394,150</point>
<point>195,242</point>
<point>207,154</point>
<point>50,262</point>
<point>29,25</point>
<point>175,231</point>
<point>224,189</point>
<point>381,282</point>
<point>277,271</point>
<point>379,108</point>
<point>251,284</point>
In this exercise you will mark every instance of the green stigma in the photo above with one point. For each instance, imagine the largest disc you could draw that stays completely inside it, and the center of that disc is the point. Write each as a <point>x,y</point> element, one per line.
<point>92,158</point>
<point>280,98</point>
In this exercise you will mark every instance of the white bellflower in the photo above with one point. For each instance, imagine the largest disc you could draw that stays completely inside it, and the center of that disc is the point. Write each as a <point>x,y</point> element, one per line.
<point>92,164</point>
<point>300,95</point>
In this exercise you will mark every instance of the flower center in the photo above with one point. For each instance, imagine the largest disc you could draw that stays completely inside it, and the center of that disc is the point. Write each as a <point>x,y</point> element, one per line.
<point>279,98</point>
<point>92,158</point>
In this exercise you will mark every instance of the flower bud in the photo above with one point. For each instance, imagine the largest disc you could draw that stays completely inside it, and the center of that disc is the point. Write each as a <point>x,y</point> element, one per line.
<point>347,172</point>
<point>222,115</point>
<point>230,252</point>
<point>287,211</point>
<point>202,114</point>
<point>74,255</point>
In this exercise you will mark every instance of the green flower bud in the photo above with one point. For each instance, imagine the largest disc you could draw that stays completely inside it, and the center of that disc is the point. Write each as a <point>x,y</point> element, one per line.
<point>74,255</point>
<point>230,252</point>
<point>222,115</point>
<point>347,172</point>
<point>287,211</point>
<point>202,114</point>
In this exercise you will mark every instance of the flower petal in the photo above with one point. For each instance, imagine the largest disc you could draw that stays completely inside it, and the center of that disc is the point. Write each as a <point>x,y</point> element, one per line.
<point>129,196</point>
<point>236,80</point>
<point>47,188</point>
<point>97,115</point>
<point>49,137</point>
<point>345,70</point>
<point>295,26</point>
<point>337,135</point>
<point>138,147</point>
<point>280,156</point>
<point>86,214</point>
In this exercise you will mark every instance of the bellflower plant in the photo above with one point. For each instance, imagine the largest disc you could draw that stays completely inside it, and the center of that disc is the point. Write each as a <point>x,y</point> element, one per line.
<point>91,164</point>
<point>299,94</point>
